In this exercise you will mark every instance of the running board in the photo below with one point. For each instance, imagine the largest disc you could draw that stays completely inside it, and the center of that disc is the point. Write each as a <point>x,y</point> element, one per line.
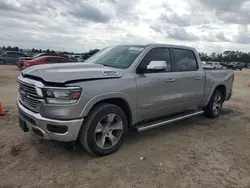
<point>165,121</point>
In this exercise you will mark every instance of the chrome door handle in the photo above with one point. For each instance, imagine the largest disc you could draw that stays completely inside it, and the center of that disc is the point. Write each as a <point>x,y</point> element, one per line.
<point>170,79</point>
<point>198,77</point>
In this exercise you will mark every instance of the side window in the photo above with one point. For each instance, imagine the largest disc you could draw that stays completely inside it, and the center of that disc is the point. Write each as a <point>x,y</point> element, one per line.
<point>59,60</point>
<point>10,55</point>
<point>56,60</point>
<point>49,60</point>
<point>157,54</point>
<point>185,60</point>
<point>7,55</point>
<point>62,60</point>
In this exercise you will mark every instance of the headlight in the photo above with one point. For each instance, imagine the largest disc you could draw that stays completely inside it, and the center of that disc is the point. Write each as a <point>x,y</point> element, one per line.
<point>62,95</point>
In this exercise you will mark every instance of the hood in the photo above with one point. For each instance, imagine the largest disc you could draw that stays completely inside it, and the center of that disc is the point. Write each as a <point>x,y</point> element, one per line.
<point>68,72</point>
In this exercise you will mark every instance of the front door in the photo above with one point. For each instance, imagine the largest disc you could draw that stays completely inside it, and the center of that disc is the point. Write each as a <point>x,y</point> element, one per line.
<point>154,89</point>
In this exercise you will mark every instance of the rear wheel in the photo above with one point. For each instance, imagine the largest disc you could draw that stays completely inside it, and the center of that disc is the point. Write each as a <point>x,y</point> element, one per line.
<point>214,106</point>
<point>2,62</point>
<point>102,132</point>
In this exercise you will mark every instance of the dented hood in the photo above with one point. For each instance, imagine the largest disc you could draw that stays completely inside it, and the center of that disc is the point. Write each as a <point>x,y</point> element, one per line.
<point>66,72</point>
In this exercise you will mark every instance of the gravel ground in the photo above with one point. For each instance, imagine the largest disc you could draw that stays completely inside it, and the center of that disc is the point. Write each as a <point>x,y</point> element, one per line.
<point>197,152</point>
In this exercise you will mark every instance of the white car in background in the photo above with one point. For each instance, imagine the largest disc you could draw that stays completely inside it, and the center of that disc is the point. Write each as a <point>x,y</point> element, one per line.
<point>204,63</point>
<point>213,65</point>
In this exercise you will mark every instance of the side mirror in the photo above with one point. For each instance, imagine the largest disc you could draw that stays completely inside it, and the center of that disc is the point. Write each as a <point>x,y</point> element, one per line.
<point>157,66</point>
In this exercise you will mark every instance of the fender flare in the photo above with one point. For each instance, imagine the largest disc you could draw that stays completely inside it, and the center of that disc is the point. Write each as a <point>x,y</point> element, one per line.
<point>212,91</point>
<point>104,96</point>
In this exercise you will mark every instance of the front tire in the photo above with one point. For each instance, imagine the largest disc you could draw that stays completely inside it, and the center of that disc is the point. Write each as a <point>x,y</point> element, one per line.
<point>215,104</point>
<point>103,131</point>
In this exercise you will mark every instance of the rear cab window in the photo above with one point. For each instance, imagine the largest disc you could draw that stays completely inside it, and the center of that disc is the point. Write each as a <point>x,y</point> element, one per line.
<point>184,60</point>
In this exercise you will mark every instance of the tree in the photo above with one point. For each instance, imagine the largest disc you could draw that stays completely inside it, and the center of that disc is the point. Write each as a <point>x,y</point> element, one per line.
<point>92,52</point>
<point>4,48</point>
<point>15,48</point>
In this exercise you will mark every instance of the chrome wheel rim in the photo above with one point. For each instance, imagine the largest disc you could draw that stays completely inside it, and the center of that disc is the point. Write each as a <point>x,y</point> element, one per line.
<point>217,105</point>
<point>108,131</point>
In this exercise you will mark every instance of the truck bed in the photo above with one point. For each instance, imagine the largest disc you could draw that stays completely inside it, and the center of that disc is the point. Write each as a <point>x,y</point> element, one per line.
<point>216,77</point>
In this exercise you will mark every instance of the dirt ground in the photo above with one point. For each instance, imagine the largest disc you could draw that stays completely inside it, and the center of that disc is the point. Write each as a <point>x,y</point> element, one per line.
<point>197,152</point>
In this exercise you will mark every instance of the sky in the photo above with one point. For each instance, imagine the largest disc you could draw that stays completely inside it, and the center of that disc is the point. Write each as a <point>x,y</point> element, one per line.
<point>81,25</point>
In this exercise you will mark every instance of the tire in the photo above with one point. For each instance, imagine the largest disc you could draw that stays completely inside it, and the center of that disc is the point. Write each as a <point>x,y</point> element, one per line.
<point>209,110</point>
<point>92,135</point>
<point>2,62</point>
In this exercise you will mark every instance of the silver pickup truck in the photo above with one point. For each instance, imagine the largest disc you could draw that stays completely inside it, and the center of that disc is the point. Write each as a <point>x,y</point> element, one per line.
<point>121,87</point>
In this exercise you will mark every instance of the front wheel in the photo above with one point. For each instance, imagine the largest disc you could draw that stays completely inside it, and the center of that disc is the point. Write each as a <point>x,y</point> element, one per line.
<point>214,106</point>
<point>102,132</point>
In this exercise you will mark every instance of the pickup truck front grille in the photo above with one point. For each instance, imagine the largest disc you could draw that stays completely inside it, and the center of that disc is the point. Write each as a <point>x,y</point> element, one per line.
<point>28,96</point>
<point>27,88</point>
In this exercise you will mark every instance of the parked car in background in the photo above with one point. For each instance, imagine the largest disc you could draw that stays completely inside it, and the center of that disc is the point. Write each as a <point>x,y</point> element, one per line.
<point>236,65</point>
<point>73,59</point>
<point>21,60</point>
<point>79,58</point>
<point>203,64</point>
<point>11,57</point>
<point>119,87</point>
<point>44,60</point>
<point>214,65</point>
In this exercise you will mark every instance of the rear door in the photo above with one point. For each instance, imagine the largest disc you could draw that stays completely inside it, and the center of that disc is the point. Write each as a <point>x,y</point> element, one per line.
<point>11,58</point>
<point>189,79</point>
<point>7,58</point>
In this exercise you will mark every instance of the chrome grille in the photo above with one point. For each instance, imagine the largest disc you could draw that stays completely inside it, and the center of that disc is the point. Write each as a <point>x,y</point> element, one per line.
<point>29,101</point>
<point>28,95</point>
<point>31,90</point>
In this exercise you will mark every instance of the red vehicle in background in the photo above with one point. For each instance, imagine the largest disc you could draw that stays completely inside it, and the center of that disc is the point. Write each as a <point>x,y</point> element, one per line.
<point>44,60</point>
<point>21,60</point>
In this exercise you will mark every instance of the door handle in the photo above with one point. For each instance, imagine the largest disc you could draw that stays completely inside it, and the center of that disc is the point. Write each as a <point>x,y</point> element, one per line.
<point>198,77</point>
<point>170,80</point>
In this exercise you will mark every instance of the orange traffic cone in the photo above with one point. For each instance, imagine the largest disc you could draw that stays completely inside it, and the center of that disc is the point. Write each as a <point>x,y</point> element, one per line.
<point>1,110</point>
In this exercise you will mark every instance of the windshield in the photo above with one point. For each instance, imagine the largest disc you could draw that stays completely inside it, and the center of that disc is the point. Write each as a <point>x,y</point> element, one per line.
<point>119,56</point>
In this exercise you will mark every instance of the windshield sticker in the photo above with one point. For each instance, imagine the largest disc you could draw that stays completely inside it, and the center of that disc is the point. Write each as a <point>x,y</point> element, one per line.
<point>136,49</point>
